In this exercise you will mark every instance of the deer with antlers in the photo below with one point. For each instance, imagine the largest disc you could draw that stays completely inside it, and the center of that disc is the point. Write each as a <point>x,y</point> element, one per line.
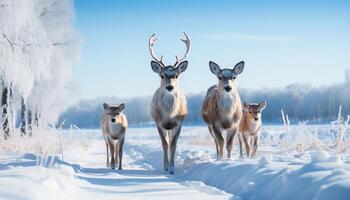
<point>168,107</point>
<point>222,110</point>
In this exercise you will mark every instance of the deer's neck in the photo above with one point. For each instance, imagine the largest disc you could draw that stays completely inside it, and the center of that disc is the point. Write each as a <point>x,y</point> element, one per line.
<point>170,103</point>
<point>252,125</point>
<point>227,101</point>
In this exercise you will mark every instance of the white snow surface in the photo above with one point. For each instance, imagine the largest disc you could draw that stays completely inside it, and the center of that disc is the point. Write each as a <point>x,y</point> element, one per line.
<point>314,173</point>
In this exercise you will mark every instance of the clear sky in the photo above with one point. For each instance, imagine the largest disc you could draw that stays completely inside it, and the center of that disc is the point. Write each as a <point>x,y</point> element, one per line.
<point>281,42</point>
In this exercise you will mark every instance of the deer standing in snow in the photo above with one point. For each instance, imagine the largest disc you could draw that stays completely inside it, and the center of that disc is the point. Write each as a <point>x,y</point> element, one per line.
<point>222,110</point>
<point>114,125</point>
<point>249,128</point>
<point>168,107</point>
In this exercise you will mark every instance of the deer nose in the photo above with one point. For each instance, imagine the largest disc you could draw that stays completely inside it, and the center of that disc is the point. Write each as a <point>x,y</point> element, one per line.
<point>256,118</point>
<point>228,88</point>
<point>113,120</point>
<point>169,87</point>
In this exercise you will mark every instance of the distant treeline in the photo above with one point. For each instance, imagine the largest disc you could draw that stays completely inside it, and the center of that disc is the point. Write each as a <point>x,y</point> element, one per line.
<point>300,102</point>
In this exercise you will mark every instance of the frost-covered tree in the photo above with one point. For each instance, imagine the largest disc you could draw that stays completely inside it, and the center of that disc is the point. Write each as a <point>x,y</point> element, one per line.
<point>38,44</point>
<point>24,52</point>
<point>25,49</point>
<point>52,94</point>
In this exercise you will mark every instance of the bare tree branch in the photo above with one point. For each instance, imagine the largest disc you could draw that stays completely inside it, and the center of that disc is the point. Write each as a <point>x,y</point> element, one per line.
<point>9,41</point>
<point>43,12</point>
<point>59,43</point>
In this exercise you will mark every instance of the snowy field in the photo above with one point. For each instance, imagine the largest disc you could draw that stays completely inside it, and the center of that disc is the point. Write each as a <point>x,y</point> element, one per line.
<point>296,162</point>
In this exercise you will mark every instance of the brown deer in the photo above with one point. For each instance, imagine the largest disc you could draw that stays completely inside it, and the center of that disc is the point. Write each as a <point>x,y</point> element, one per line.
<point>168,107</point>
<point>114,125</point>
<point>249,128</point>
<point>222,110</point>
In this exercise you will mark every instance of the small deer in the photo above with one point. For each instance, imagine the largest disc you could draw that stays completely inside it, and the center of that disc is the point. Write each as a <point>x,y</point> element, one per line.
<point>168,107</point>
<point>222,108</point>
<point>114,125</point>
<point>249,128</point>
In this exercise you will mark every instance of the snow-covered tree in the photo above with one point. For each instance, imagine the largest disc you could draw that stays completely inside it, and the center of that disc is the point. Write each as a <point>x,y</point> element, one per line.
<point>38,43</point>
<point>25,50</point>
<point>52,94</point>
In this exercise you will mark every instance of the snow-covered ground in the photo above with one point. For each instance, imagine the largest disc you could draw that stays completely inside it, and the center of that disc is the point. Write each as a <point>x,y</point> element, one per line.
<point>303,162</point>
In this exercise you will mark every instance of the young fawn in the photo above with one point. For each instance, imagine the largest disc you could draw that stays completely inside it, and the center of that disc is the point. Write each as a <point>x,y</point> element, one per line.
<point>169,103</point>
<point>249,128</point>
<point>222,108</point>
<point>114,125</point>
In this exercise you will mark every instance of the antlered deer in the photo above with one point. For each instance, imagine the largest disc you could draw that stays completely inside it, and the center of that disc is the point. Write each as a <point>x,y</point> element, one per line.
<point>168,107</point>
<point>222,108</point>
<point>114,125</point>
<point>250,126</point>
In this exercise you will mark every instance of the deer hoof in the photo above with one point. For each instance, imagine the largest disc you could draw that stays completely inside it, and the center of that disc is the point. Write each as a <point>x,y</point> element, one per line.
<point>112,166</point>
<point>166,169</point>
<point>171,170</point>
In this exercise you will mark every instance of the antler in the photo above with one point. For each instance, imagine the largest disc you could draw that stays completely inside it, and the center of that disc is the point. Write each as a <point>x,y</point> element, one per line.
<point>152,41</point>
<point>187,42</point>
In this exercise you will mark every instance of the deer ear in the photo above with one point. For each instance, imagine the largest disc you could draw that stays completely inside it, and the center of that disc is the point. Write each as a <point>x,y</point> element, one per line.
<point>245,105</point>
<point>182,66</point>
<point>105,106</point>
<point>214,68</point>
<point>156,67</point>
<point>239,67</point>
<point>121,106</point>
<point>262,105</point>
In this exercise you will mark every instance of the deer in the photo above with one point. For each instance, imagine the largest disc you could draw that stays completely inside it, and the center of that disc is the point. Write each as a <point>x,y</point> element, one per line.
<point>114,124</point>
<point>221,109</point>
<point>249,128</point>
<point>168,106</point>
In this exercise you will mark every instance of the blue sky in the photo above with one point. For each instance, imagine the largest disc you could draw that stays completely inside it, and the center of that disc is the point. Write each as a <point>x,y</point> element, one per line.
<point>281,42</point>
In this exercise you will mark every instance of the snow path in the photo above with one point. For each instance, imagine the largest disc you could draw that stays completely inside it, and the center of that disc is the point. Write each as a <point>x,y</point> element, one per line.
<point>90,179</point>
<point>135,181</point>
<point>274,174</point>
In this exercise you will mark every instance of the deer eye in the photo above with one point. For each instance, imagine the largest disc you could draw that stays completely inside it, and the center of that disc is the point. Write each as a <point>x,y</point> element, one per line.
<point>250,112</point>
<point>108,113</point>
<point>220,78</point>
<point>162,76</point>
<point>234,78</point>
<point>176,76</point>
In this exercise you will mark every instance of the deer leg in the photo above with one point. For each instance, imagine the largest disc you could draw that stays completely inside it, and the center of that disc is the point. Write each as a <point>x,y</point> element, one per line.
<point>111,147</point>
<point>121,153</point>
<point>220,140</point>
<point>175,135</point>
<point>229,141</point>
<point>255,145</point>
<point>247,145</point>
<point>107,150</point>
<point>251,142</point>
<point>165,146</point>
<point>215,140</point>
<point>240,145</point>
<point>116,152</point>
